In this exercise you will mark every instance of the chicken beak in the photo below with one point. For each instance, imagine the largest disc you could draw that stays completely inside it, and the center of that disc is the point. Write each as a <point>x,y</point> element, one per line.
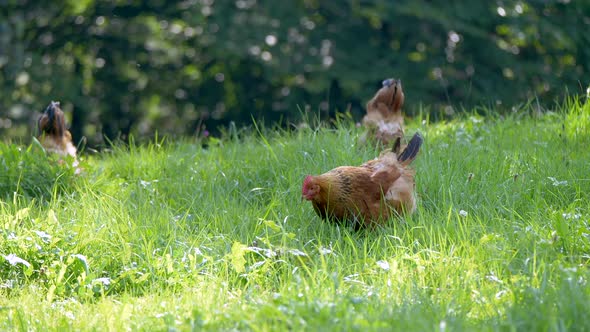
<point>393,95</point>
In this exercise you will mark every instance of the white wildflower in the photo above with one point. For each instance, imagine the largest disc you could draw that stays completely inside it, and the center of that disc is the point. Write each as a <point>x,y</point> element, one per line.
<point>14,259</point>
<point>556,182</point>
<point>44,236</point>
<point>574,216</point>
<point>104,281</point>
<point>297,252</point>
<point>383,264</point>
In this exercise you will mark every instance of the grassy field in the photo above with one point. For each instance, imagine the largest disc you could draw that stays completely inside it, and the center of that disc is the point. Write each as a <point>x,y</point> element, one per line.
<point>172,236</point>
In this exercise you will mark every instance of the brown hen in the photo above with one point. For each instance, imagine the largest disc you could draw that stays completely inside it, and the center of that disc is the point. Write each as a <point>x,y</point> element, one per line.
<point>53,135</point>
<point>366,195</point>
<point>384,120</point>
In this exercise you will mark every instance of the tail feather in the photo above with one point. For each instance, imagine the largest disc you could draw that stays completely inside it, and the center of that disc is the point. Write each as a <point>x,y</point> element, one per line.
<point>412,149</point>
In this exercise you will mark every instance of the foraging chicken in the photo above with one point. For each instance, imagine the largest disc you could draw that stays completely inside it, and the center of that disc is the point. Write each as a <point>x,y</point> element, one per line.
<point>366,195</point>
<point>54,136</point>
<point>384,120</point>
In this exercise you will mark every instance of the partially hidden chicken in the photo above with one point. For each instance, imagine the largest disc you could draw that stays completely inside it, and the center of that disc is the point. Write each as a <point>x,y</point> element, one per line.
<point>369,194</point>
<point>53,135</point>
<point>384,121</point>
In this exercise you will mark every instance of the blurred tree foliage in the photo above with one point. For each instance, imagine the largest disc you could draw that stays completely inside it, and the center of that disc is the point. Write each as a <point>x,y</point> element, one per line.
<point>122,67</point>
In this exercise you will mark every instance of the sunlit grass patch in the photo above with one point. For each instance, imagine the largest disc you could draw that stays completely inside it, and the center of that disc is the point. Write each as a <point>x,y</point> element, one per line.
<point>173,235</point>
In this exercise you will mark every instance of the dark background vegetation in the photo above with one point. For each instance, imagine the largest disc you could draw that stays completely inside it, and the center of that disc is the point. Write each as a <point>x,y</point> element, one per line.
<point>134,67</point>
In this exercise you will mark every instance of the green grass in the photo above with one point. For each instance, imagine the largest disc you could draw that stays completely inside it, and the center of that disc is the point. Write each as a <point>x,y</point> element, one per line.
<point>174,236</point>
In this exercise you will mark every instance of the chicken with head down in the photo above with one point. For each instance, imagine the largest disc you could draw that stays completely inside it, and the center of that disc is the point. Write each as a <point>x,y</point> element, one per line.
<point>369,194</point>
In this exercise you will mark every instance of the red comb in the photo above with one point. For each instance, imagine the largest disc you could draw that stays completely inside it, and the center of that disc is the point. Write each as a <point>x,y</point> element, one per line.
<point>306,183</point>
